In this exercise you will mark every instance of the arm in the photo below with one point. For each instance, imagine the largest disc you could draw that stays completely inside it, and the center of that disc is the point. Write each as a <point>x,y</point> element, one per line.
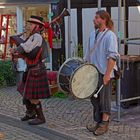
<point>34,41</point>
<point>112,56</point>
<point>110,65</point>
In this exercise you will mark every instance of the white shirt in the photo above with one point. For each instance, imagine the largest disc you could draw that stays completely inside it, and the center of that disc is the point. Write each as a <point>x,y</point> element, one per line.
<point>98,53</point>
<point>33,41</point>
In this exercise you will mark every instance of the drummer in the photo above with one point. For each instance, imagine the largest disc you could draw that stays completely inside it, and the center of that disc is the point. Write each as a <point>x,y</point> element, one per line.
<point>103,53</point>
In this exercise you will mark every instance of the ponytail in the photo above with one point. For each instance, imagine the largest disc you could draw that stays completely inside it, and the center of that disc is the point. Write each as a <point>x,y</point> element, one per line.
<point>110,25</point>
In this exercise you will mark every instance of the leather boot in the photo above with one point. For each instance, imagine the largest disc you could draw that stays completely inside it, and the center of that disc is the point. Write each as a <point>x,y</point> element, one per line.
<point>1,136</point>
<point>40,119</point>
<point>30,110</point>
<point>92,128</point>
<point>102,128</point>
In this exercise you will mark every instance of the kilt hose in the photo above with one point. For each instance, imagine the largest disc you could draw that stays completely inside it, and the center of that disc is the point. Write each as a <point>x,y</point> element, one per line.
<point>35,84</point>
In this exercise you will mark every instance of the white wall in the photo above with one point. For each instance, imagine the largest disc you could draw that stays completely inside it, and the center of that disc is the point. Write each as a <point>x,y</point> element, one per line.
<point>74,36</point>
<point>88,15</point>
<point>134,27</point>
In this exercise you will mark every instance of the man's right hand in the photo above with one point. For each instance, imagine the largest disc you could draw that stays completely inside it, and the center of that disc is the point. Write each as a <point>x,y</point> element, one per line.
<point>106,79</point>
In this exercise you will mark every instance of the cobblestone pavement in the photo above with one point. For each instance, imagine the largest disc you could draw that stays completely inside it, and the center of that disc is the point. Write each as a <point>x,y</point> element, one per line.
<point>65,116</point>
<point>13,133</point>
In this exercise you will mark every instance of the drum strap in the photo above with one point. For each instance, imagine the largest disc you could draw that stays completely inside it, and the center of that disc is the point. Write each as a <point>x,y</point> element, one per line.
<point>97,42</point>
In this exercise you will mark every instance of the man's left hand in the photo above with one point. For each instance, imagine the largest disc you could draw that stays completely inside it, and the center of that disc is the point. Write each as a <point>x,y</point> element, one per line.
<point>106,79</point>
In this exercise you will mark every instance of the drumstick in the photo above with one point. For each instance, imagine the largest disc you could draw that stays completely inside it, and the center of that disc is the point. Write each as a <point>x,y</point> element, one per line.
<point>96,95</point>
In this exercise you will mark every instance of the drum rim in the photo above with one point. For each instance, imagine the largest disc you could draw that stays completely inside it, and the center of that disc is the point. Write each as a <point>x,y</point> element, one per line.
<point>73,76</point>
<point>66,61</point>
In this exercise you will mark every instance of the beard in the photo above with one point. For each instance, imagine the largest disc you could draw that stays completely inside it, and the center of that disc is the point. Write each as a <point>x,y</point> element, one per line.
<point>97,25</point>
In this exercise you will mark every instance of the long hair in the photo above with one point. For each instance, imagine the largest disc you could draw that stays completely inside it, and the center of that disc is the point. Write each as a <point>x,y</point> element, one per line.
<point>105,16</point>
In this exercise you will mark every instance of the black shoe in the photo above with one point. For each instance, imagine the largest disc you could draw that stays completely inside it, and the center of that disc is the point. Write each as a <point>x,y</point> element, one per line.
<point>26,118</point>
<point>36,121</point>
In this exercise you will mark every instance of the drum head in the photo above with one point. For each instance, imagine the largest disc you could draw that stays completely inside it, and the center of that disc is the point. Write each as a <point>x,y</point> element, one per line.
<point>84,81</point>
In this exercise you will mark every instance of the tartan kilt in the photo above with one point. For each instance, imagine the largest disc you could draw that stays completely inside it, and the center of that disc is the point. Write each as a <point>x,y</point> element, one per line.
<point>35,84</point>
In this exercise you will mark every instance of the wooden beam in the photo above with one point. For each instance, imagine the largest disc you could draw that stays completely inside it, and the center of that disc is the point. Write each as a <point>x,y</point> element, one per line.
<point>79,26</point>
<point>105,3</point>
<point>126,26</point>
<point>108,9</point>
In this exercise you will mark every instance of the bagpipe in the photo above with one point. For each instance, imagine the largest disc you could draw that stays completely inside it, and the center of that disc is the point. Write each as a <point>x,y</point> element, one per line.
<point>16,40</point>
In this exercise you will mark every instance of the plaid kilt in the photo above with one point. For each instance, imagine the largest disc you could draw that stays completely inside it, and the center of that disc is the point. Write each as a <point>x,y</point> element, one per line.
<point>35,84</point>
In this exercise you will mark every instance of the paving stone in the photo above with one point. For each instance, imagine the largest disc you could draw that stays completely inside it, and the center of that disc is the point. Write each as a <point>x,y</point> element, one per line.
<point>67,116</point>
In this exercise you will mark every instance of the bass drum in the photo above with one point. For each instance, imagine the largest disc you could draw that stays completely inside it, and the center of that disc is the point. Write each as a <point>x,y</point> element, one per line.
<point>78,78</point>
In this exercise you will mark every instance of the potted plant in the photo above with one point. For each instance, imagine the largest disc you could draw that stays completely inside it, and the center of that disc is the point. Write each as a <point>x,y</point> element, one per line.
<point>78,50</point>
<point>57,43</point>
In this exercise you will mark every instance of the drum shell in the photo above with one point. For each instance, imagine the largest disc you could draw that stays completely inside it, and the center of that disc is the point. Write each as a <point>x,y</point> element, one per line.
<point>65,73</point>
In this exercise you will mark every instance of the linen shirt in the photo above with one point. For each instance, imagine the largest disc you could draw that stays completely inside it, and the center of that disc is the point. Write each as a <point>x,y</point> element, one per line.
<point>100,49</point>
<point>34,41</point>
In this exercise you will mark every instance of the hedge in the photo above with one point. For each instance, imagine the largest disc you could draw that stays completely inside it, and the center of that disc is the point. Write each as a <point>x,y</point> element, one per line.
<point>7,75</point>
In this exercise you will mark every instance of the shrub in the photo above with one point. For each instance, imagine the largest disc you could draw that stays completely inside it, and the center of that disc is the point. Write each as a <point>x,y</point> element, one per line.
<point>7,76</point>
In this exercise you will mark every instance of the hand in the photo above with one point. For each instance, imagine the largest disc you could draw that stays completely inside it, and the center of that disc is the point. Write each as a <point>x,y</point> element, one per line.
<point>11,50</point>
<point>106,79</point>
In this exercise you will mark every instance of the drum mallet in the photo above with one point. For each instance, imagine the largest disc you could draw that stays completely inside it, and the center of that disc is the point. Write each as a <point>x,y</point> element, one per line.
<point>96,95</point>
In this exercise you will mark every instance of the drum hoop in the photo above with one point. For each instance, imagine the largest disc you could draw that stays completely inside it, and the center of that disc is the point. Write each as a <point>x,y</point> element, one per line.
<point>73,76</point>
<point>69,59</point>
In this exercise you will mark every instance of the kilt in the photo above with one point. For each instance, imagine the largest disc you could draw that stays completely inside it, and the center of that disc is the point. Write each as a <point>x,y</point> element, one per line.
<point>35,84</point>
